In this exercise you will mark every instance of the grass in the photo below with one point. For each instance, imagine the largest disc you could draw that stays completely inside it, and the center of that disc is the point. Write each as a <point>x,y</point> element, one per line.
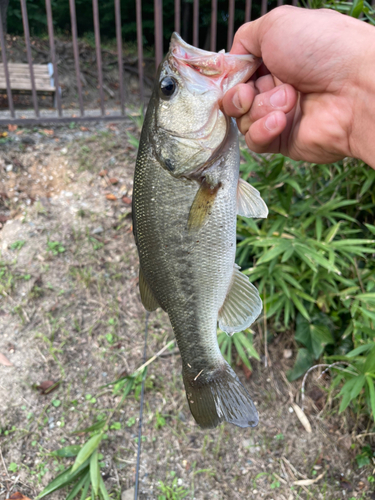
<point>84,328</point>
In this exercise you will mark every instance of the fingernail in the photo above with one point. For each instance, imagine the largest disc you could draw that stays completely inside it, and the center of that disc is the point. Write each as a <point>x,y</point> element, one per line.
<point>237,102</point>
<point>271,122</point>
<point>278,99</point>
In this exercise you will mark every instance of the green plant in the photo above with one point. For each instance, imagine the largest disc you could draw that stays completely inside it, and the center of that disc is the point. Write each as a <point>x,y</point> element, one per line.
<point>311,259</point>
<point>55,247</point>
<point>172,491</point>
<point>17,245</point>
<point>242,342</point>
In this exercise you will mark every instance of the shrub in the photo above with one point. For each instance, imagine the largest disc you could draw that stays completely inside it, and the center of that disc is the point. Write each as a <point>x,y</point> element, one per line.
<point>313,261</point>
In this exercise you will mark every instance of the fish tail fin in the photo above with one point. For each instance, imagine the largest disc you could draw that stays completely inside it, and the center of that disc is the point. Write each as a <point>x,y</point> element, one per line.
<point>219,396</point>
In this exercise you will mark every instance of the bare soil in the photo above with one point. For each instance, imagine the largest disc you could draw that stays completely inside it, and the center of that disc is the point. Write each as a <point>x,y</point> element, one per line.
<point>70,312</point>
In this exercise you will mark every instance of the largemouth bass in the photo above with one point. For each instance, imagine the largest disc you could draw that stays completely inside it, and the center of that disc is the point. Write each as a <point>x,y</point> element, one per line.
<point>186,196</point>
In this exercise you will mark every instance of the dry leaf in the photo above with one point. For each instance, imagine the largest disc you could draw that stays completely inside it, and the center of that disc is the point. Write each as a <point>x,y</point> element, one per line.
<point>4,134</point>
<point>4,360</point>
<point>48,386</point>
<point>126,200</point>
<point>48,131</point>
<point>308,482</point>
<point>84,129</point>
<point>3,218</point>
<point>113,180</point>
<point>19,132</point>
<point>111,197</point>
<point>302,418</point>
<point>12,128</point>
<point>102,173</point>
<point>18,496</point>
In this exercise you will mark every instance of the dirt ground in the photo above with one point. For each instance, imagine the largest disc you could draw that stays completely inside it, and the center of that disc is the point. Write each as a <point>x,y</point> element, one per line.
<point>70,312</point>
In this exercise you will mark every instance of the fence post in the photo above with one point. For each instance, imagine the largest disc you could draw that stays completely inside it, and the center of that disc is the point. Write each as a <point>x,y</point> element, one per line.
<point>230,24</point>
<point>248,11</point>
<point>140,47</point>
<point>53,54</point>
<point>73,19</point>
<point>158,17</point>
<point>177,15</point>
<point>196,23</point>
<point>5,64</point>
<point>95,9</point>
<point>29,56</point>
<point>119,53</point>
<point>213,25</point>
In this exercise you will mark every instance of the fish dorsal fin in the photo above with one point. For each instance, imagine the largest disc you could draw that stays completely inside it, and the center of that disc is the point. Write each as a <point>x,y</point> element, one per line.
<point>202,205</point>
<point>242,304</point>
<point>249,201</point>
<point>148,298</point>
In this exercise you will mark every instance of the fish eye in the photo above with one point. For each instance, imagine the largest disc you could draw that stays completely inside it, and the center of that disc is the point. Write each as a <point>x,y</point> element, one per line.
<point>168,86</point>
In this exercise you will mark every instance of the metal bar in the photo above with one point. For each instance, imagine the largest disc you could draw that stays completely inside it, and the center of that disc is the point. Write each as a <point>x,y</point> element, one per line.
<point>5,62</point>
<point>295,3</point>
<point>158,18</point>
<point>230,24</point>
<point>60,119</point>
<point>196,23</point>
<point>177,15</point>
<point>213,25</point>
<point>29,56</point>
<point>141,415</point>
<point>95,8</point>
<point>140,47</point>
<point>248,11</point>
<point>53,54</point>
<point>280,2</point>
<point>73,19</point>
<point>264,8</point>
<point>119,53</point>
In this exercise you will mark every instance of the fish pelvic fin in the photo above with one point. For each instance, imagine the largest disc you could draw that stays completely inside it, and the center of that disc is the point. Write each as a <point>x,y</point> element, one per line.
<point>219,397</point>
<point>148,298</point>
<point>202,205</point>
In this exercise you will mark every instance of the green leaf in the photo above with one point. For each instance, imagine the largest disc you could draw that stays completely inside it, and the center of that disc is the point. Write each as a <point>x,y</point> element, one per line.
<point>87,449</point>
<point>357,387</point>
<point>299,305</point>
<point>241,352</point>
<point>63,479</point>
<point>360,350</point>
<point>86,486</point>
<point>370,362</point>
<point>80,484</point>
<point>94,472</point>
<point>344,402</point>
<point>370,384</point>
<point>103,490</point>
<point>95,427</point>
<point>303,362</point>
<point>68,451</point>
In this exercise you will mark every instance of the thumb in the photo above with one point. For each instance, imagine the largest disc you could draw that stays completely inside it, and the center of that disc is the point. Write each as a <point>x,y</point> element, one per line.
<point>248,38</point>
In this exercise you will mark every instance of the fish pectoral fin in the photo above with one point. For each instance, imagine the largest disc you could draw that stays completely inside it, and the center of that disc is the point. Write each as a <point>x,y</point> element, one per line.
<point>242,304</point>
<point>148,298</point>
<point>249,202</point>
<point>202,205</point>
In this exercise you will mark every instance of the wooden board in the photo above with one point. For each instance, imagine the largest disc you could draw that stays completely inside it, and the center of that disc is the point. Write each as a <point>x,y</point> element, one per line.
<point>19,76</point>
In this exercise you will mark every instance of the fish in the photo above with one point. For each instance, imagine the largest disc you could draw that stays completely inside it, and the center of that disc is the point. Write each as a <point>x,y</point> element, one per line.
<point>186,196</point>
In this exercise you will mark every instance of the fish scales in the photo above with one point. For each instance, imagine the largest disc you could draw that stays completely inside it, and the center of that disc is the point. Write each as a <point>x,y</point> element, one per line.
<point>188,268</point>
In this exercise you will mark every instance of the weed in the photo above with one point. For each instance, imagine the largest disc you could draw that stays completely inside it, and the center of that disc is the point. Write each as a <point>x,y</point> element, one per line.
<point>55,247</point>
<point>173,489</point>
<point>17,245</point>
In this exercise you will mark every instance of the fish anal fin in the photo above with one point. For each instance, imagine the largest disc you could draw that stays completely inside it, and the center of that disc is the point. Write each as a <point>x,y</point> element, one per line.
<point>242,304</point>
<point>202,205</point>
<point>219,397</point>
<point>249,202</point>
<point>148,298</point>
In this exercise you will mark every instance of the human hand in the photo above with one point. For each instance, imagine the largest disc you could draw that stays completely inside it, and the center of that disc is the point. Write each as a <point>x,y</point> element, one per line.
<point>314,98</point>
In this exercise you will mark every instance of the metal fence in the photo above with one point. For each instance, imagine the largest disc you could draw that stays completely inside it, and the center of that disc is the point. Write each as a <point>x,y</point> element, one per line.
<point>102,114</point>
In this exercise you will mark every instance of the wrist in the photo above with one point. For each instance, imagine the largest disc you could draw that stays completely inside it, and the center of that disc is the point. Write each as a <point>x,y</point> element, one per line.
<point>362,134</point>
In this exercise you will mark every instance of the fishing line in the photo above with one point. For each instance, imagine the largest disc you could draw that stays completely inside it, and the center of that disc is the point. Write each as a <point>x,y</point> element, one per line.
<point>141,414</point>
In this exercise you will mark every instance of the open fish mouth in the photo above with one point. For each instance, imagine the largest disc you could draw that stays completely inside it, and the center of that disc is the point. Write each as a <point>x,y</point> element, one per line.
<point>219,69</point>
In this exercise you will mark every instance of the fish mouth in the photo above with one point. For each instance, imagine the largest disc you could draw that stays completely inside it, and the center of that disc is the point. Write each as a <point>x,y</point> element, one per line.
<point>219,69</point>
